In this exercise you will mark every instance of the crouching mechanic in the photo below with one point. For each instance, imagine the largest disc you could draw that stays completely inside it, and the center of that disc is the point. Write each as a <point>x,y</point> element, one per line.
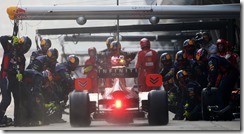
<point>62,77</point>
<point>224,76</point>
<point>190,103</point>
<point>39,64</point>
<point>33,103</point>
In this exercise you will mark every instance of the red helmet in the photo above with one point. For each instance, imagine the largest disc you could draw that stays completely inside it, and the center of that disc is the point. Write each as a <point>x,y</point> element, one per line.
<point>92,51</point>
<point>221,41</point>
<point>144,42</point>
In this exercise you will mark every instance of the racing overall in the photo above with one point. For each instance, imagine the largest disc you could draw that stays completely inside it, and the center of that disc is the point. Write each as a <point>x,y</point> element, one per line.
<point>211,48</point>
<point>92,73</point>
<point>12,61</point>
<point>147,63</point>
<point>201,72</point>
<point>41,63</point>
<point>33,103</point>
<point>173,95</point>
<point>224,76</point>
<point>187,65</point>
<point>36,54</point>
<point>190,104</point>
<point>62,77</point>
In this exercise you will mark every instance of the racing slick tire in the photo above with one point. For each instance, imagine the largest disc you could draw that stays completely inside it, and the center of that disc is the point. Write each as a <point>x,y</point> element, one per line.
<point>208,99</point>
<point>79,109</point>
<point>158,107</point>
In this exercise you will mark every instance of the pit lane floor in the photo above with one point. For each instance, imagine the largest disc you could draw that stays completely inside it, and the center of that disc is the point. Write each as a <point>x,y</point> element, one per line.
<point>138,124</point>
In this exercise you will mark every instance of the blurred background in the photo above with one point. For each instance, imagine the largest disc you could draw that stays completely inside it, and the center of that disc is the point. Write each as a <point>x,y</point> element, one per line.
<point>80,47</point>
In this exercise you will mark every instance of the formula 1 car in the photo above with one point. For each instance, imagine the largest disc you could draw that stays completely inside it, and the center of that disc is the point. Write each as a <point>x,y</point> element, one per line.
<point>211,110</point>
<point>119,104</point>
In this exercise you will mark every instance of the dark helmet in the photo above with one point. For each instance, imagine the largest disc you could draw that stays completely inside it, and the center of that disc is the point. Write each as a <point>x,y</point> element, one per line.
<point>181,59</point>
<point>92,51</point>
<point>206,35</point>
<point>73,62</point>
<point>181,74</point>
<point>144,42</point>
<point>109,41</point>
<point>198,36</point>
<point>166,59</point>
<point>24,44</point>
<point>168,82</point>
<point>182,77</point>
<point>189,46</point>
<point>188,43</point>
<point>115,46</point>
<point>201,54</point>
<point>52,54</point>
<point>180,56</point>
<point>45,44</point>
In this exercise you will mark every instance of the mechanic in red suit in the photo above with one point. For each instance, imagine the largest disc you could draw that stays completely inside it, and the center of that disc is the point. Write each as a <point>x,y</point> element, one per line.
<point>90,68</point>
<point>147,63</point>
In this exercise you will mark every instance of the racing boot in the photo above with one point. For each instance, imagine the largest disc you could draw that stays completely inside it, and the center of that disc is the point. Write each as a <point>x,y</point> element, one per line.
<point>5,122</point>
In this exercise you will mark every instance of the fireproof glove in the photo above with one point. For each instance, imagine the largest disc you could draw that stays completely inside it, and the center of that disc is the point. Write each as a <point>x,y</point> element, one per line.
<point>88,69</point>
<point>19,77</point>
<point>15,40</point>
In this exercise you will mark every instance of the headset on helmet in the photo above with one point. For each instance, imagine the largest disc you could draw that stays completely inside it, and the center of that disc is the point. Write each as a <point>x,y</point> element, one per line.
<point>24,44</point>
<point>144,42</point>
<point>73,62</point>
<point>109,41</point>
<point>52,54</point>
